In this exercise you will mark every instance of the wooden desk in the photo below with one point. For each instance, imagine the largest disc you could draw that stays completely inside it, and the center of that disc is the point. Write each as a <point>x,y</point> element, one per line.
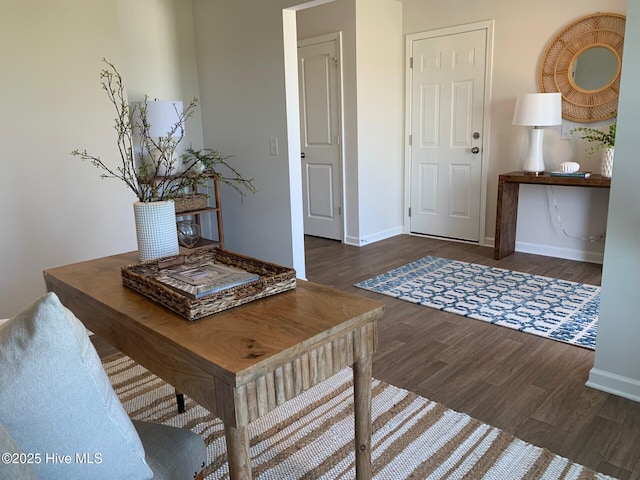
<point>507,209</point>
<point>240,363</point>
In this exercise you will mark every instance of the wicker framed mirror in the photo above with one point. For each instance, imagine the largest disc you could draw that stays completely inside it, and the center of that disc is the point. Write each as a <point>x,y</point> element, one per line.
<point>583,63</point>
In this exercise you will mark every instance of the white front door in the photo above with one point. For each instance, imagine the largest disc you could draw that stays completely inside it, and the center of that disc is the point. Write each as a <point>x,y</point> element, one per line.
<point>319,83</point>
<point>447,111</point>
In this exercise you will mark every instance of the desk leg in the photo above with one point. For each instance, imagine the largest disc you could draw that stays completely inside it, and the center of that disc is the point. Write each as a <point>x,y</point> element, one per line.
<point>238,452</point>
<point>506,219</point>
<point>362,412</point>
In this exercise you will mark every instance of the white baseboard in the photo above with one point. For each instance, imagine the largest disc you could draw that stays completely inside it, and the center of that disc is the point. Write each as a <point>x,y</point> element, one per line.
<point>376,237</point>
<point>445,239</point>
<point>559,252</point>
<point>615,384</point>
<point>553,251</point>
<point>355,241</point>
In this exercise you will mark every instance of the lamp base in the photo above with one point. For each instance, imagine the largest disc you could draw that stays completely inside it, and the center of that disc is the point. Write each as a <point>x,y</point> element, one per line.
<point>533,163</point>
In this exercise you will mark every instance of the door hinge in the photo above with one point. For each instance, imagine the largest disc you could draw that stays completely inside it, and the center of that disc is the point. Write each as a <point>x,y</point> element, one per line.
<point>410,139</point>
<point>409,211</point>
<point>410,62</point>
<point>338,139</point>
<point>335,62</point>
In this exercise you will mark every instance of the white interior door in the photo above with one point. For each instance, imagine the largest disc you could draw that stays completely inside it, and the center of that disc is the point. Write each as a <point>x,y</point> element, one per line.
<point>318,70</point>
<point>447,111</point>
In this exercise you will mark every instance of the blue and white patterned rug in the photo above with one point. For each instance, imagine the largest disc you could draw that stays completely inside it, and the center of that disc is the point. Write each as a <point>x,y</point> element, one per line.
<point>557,309</point>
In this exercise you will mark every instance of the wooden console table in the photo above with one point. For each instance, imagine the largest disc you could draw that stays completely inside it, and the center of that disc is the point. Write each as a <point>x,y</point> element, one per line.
<point>507,210</point>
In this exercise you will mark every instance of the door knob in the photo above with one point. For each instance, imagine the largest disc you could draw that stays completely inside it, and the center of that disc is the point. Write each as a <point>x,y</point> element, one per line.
<point>475,150</point>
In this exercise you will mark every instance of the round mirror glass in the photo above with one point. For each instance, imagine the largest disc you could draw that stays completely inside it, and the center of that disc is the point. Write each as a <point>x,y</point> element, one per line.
<point>594,68</point>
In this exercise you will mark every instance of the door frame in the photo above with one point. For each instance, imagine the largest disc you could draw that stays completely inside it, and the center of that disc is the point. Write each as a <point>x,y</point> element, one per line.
<point>488,26</point>
<point>337,37</point>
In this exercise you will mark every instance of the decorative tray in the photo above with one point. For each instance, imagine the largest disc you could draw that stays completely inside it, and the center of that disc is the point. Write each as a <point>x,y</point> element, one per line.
<point>149,279</point>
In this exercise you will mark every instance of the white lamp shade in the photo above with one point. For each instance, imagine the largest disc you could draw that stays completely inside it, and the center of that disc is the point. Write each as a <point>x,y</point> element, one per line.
<point>162,116</point>
<point>538,110</point>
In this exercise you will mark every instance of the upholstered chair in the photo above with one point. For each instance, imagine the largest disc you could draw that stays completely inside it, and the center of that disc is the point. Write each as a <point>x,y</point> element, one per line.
<point>59,415</point>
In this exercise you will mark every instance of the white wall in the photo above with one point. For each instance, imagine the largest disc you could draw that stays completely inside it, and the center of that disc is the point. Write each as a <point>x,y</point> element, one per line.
<point>160,57</point>
<point>522,33</point>
<point>380,118</point>
<point>340,16</point>
<point>372,74</point>
<point>160,62</point>
<point>54,209</point>
<point>617,362</point>
<point>241,67</point>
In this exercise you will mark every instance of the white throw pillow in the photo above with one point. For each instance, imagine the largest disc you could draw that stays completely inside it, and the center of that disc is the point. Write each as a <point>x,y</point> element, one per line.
<point>15,464</point>
<point>56,401</point>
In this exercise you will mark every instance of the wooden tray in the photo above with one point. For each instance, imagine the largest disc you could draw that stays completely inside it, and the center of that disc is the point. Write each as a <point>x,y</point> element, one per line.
<point>273,279</point>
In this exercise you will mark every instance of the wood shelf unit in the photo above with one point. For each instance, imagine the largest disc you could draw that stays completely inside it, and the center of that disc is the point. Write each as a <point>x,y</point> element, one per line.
<point>197,214</point>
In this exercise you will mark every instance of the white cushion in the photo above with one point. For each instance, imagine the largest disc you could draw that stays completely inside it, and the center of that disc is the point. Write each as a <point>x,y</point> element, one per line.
<point>14,464</point>
<point>55,398</point>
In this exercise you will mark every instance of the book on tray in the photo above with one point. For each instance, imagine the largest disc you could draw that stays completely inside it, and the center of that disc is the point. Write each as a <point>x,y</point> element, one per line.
<point>572,174</point>
<point>197,281</point>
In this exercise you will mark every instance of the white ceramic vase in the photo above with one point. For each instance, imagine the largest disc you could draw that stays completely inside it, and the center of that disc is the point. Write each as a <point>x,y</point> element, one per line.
<point>156,229</point>
<point>606,167</point>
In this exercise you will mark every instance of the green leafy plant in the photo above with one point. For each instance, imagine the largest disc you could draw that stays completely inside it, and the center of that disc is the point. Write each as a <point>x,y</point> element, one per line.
<point>601,138</point>
<point>208,162</point>
<point>151,173</point>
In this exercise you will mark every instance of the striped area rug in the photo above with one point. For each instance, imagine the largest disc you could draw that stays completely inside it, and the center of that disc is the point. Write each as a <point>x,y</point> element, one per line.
<point>548,307</point>
<point>311,436</point>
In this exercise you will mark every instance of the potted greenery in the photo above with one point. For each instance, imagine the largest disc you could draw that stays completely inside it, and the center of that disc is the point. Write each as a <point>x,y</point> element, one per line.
<point>204,164</point>
<point>604,140</point>
<point>207,162</point>
<point>148,167</point>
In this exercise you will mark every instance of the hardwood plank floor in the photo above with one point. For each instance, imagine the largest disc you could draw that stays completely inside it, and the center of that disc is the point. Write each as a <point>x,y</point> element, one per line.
<point>526,385</point>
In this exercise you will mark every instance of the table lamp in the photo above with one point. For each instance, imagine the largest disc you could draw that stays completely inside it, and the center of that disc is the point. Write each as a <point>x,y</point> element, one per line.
<point>165,124</point>
<point>163,116</point>
<point>537,110</point>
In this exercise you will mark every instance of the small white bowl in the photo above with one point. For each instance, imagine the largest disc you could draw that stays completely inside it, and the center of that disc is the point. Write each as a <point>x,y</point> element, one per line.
<point>569,167</point>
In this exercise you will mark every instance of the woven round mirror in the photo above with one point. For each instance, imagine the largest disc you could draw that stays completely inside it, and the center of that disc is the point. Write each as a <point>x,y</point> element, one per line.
<point>583,63</point>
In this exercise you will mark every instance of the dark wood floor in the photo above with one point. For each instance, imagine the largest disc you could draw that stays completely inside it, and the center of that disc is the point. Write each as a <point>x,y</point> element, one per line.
<point>528,386</point>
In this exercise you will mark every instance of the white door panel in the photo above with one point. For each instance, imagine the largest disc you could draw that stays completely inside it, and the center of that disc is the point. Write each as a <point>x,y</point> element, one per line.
<point>447,91</point>
<point>462,100</point>
<point>319,133</point>
<point>459,201</point>
<point>430,115</point>
<point>317,97</point>
<point>428,189</point>
<point>319,181</point>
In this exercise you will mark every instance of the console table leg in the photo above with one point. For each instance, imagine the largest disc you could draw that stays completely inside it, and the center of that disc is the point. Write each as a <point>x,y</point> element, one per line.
<point>362,412</point>
<point>238,452</point>
<point>506,219</point>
